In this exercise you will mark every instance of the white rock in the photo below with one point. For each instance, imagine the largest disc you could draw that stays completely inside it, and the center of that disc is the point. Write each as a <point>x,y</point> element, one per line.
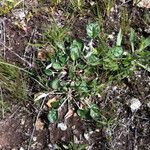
<point>111,36</point>
<point>34,139</point>
<point>135,104</point>
<point>22,121</point>
<point>97,130</point>
<point>86,135</point>
<point>62,126</point>
<point>92,3</point>
<point>125,53</point>
<point>148,104</point>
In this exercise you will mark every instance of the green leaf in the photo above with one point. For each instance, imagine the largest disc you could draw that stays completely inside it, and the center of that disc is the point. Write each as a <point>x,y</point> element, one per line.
<point>55,84</point>
<point>55,104</point>
<point>146,67</point>
<point>119,38</point>
<point>93,30</point>
<point>110,64</point>
<point>132,38</point>
<point>83,88</point>
<point>94,112</point>
<point>82,147</point>
<point>52,115</point>
<point>60,45</point>
<point>127,61</point>
<point>48,72</point>
<point>92,59</point>
<point>56,66</point>
<point>116,51</point>
<point>145,43</point>
<point>75,48</point>
<point>82,112</point>
<point>62,58</point>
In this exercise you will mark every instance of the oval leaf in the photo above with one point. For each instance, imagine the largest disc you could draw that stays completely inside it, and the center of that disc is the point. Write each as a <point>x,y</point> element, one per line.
<point>52,115</point>
<point>116,51</point>
<point>76,48</point>
<point>119,38</point>
<point>94,112</point>
<point>57,66</point>
<point>93,30</point>
<point>48,72</point>
<point>82,112</point>
<point>55,84</point>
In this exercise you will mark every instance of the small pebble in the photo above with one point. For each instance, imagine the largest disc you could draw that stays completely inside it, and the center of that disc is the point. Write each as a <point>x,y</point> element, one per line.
<point>148,104</point>
<point>111,36</point>
<point>135,104</point>
<point>62,126</point>
<point>86,135</point>
<point>34,139</point>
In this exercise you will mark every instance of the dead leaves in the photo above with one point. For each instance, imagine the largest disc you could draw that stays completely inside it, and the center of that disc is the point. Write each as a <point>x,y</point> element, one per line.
<point>142,3</point>
<point>42,55</point>
<point>39,125</point>
<point>69,113</point>
<point>50,101</point>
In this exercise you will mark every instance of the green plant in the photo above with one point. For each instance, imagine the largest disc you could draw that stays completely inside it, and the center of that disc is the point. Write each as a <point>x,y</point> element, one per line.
<point>108,4</point>
<point>91,111</point>
<point>4,106</point>
<point>78,67</point>
<point>55,36</point>
<point>8,5</point>
<point>142,56</point>
<point>125,21</point>
<point>53,110</point>
<point>11,82</point>
<point>77,4</point>
<point>93,30</point>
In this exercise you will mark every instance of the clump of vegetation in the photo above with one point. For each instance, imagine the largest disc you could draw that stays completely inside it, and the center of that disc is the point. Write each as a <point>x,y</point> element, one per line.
<point>72,72</point>
<point>78,66</point>
<point>7,5</point>
<point>12,86</point>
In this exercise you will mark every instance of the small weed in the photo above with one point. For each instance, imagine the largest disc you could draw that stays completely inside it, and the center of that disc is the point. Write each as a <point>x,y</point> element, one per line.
<point>7,5</point>
<point>77,66</point>
<point>11,82</point>
<point>77,4</point>
<point>55,36</point>
<point>125,21</point>
<point>108,4</point>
